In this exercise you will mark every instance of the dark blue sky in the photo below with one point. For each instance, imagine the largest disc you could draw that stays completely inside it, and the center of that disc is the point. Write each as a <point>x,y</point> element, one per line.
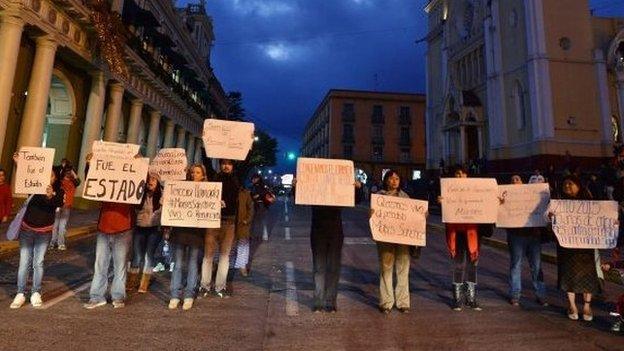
<point>284,55</point>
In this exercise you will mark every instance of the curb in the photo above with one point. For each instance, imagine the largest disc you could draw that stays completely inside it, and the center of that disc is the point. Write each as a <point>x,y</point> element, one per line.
<point>10,247</point>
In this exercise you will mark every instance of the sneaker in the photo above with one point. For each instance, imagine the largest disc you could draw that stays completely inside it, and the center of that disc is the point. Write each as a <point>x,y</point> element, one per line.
<point>244,272</point>
<point>119,304</point>
<point>188,303</point>
<point>173,304</point>
<point>617,326</point>
<point>542,302</point>
<point>385,310</point>
<point>222,294</point>
<point>405,310</point>
<point>35,300</point>
<point>18,301</point>
<point>94,304</point>
<point>203,292</point>
<point>62,247</point>
<point>159,268</point>
<point>514,302</point>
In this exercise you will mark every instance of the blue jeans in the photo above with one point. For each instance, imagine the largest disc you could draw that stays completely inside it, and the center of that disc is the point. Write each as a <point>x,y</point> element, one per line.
<point>60,225</point>
<point>33,247</point>
<point>192,274</point>
<point>115,246</point>
<point>145,240</point>
<point>531,247</point>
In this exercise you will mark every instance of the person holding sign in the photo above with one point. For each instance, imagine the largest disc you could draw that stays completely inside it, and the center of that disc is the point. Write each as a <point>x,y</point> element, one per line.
<point>577,268</point>
<point>244,218</point>
<point>393,257</point>
<point>34,237</point>
<point>6,197</point>
<point>186,241</point>
<point>69,182</point>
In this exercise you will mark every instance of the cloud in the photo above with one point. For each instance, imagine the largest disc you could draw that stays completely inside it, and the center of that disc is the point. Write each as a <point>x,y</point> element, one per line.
<point>263,8</point>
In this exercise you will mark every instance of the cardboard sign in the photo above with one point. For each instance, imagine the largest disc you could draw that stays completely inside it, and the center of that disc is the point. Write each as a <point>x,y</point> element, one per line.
<point>33,170</point>
<point>227,139</point>
<point>469,200</point>
<point>114,150</point>
<point>113,179</point>
<point>399,220</point>
<point>585,224</point>
<point>325,182</point>
<point>524,205</point>
<point>170,164</point>
<point>191,204</point>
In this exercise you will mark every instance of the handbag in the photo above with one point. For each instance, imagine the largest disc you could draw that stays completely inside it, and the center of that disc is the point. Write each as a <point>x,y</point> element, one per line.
<point>14,228</point>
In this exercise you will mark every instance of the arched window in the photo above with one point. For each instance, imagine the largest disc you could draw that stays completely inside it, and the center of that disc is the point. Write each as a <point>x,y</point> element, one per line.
<point>519,105</point>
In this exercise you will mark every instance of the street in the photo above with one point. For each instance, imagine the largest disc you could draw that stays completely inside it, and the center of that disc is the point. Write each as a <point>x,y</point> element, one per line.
<point>271,309</point>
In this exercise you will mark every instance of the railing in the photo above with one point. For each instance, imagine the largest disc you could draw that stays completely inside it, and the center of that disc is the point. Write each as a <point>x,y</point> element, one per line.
<point>378,119</point>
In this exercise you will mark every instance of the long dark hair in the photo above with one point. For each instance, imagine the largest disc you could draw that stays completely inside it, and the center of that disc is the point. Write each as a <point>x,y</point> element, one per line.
<point>156,196</point>
<point>58,173</point>
<point>583,193</point>
<point>386,178</point>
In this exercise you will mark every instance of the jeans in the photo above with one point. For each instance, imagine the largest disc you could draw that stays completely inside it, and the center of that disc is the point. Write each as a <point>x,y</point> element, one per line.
<point>531,247</point>
<point>60,225</point>
<point>191,276</point>
<point>115,246</point>
<point>393,256</point>
<point>242,253</point>
<point>464,269</point>
<point>33,247</point>
<point>224,238</point>
<point>326,260</point>
<point>145,240</point>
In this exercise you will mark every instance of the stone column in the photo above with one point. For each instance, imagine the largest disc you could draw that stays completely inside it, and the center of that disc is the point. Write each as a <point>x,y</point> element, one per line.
<point>620,95</point>
<point>462,146</point>
<point>134,125</point>
<point>169,130</point>
<point>113,113</point>
<point>198,150</point>
<point>11,27</point>
<point>34,116</point>
<point>181,142</point>
<point>93,119</point>
<point>190,148</point>
<point>152,136</point>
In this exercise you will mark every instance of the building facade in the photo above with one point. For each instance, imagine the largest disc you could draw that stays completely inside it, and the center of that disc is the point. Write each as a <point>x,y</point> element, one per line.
<point>75,71</point>
<point>376,130</point>
<point>523,83</point>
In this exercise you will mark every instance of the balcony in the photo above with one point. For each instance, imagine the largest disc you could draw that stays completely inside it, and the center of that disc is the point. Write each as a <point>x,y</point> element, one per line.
<point>378,140</point>
<point>348,116</point>
<point>378,119</point>
<point>405,120</point>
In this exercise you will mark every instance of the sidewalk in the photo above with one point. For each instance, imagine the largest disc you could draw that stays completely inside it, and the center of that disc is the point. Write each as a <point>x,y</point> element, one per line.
<point>81,223</point>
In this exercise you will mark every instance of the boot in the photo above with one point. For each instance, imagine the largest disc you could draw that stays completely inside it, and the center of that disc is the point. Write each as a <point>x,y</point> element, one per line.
<point>145,281</point>
<point>472,296</point>
<point>457,297</point>
<point>132,281</point>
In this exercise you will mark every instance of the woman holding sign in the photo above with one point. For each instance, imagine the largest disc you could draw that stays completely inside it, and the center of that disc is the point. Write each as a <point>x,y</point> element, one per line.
<point>34,237</point>
<point>393,257</point>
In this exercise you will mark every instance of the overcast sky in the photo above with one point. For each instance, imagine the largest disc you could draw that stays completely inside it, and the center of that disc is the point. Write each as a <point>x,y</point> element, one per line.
<point>284,55</point>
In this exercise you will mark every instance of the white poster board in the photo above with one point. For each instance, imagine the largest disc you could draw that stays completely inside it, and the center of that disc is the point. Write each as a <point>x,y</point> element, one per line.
<point>398,220</point>
<point>325,182</point>
<point>585,224</point>
<point>524,205</point>
<point>227,139</point>
<point>116,150</point>
<point>191,204</point>
<point>112,179</point>
<point>170,164</point>
<point>34,167</point>
<point>469,200</point>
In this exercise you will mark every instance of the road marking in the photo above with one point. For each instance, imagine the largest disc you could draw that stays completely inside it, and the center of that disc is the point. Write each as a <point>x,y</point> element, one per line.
<point>265,233</point>
<point>286,207</point>
<point>292,306</point>
<point>287,233</point>
<point>66,295</point>
<point>286,219</point>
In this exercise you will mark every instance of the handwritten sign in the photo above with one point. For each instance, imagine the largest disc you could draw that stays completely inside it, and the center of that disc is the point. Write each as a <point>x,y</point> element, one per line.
<point>116,150</point>
<point>34,168</point>
<point>399,220</point>
<point>469,200</point>
<point>585,224</point>
<point>170,164</point>
<point>524,205</point>
<point>227,139</point>
<point>112,179</point>
<point>325,182</point>
<point>191,204</point>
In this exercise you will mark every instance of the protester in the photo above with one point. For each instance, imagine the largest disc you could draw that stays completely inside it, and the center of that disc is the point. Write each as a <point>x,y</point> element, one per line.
<point>146,236</point>
<point>186,242</point>
<point>577,268</point>
<point>259,193</point>
<point>244,218</point>
<point>464,244</point>
<point>69,182</point>
<point>393,257</point>
<point>34,237</point>
<point>6,197</point>
<point>525,242</point>
<point>222,237</point>
<point>112,243</point>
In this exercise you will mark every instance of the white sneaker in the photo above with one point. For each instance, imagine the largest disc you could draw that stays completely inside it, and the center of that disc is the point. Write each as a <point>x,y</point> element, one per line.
<point>18,301</point>
<point>35,300</point>
<point>159,268</point>
<point>173,304</point>
<point>188,303</point>
<point>62,247</point>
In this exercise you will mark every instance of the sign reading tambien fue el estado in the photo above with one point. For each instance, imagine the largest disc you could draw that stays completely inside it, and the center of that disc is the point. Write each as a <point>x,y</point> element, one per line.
<point>34,168</point>
<point>523,205</point>
<point>116,179</point>
<point>191,204</point>
<point>170,164</point>
<point>585,224</point>
<point>227,139</point>
<point>399,220</point>
<point>469,200</point>
<point>325,182</point>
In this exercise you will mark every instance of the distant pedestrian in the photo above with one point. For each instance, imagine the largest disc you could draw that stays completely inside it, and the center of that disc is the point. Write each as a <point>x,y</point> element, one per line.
<point>6,197</point>
<point>34,237</point>
<point>244,219</point>
<point>262,198</point>
<point>69,182</point>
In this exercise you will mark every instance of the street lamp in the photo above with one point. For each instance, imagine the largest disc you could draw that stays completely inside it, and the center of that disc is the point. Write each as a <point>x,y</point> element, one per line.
<point>291,156</point>
<point>256,138</point>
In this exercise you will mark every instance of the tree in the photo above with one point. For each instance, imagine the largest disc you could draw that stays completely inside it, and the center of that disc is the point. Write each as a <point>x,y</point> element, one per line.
<point>263,153</point>
<point>235,110</point>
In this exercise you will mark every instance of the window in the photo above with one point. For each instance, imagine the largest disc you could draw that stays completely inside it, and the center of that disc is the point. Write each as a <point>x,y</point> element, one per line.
<point>347,133</point>
<point>377,110</point>
<point>347,108</point>
<point>377,153</point>
<point>347,151</point>
<point>405,134</point>
<point>405,156</point>
<point>377,131</point>
<point>519,105</point>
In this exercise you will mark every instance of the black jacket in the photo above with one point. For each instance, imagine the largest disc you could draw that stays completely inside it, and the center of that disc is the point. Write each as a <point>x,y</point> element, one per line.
<point>41,211</point>
<point>229,191</point>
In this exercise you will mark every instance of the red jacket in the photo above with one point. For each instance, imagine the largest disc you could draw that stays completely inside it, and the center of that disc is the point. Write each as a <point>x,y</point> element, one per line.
<point>6,200</point>
<point>115,218</point>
